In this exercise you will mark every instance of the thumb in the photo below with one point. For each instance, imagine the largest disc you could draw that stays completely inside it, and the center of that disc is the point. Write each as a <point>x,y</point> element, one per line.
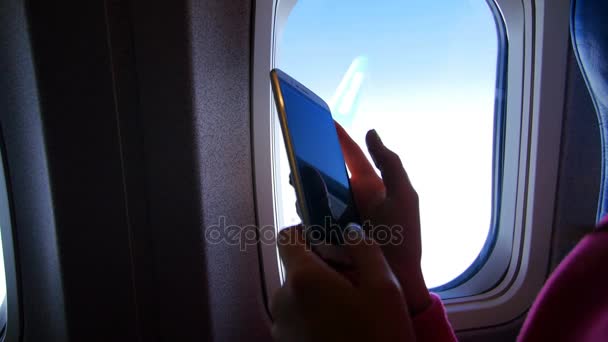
<point>367,258</point>
<point>293,249</point>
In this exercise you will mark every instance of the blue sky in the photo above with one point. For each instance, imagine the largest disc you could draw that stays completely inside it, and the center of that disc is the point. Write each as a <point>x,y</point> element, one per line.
<point>453,39</point>
<point>428,88</point>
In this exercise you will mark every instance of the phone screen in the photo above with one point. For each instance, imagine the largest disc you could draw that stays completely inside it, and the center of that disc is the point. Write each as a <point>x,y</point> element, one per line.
<point>319,160</point>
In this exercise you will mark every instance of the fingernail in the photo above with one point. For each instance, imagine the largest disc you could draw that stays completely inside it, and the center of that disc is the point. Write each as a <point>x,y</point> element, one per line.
<point>376,137</point>
<point>290,236</point>
<point>372,146</point>
<point>283,236</point>
<point>354,232</point>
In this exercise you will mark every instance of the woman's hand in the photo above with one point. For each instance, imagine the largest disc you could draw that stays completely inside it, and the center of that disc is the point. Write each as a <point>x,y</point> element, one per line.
<point>316,303</point>
<point>389,202</point>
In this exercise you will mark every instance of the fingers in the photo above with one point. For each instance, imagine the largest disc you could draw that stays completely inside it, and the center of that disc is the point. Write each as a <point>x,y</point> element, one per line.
<point>292,247</point>
<point>388,162</point>
<point>279,303</point>
<point>306,274</point>
<point>353,155</point>
<point>297,255</point>
<point>367,258</point>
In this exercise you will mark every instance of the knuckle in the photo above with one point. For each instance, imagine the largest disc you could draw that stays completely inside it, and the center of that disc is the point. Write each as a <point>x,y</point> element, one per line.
<point>394,158</point>
<point>414,196</point>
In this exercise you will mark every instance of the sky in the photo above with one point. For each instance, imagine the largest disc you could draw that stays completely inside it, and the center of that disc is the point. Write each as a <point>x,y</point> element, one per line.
<point>425,80</point>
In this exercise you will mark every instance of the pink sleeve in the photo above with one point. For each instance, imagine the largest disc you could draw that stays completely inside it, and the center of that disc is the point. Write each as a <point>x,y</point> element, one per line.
<point>573,304</point>
<point>432,325</point>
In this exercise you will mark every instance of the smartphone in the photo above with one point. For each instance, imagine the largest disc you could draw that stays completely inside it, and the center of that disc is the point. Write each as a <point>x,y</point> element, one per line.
<point>318,171</point>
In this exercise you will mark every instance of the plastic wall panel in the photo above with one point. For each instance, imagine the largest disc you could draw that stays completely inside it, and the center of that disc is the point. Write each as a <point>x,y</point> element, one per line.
<point>221,45</point>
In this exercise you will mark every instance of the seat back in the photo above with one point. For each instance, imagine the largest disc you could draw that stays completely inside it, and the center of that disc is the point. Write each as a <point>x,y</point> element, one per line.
<point>589,30</point>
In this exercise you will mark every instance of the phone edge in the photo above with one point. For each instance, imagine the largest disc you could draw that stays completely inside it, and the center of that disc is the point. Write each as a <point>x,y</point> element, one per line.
<point>275,75</point>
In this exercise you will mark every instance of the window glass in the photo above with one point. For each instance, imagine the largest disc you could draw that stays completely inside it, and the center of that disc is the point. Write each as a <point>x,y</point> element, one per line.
<point>423,74</point>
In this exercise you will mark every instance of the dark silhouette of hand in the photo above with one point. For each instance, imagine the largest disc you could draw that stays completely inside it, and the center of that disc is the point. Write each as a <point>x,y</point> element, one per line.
<point>392,203</point>
<point>317,303</point>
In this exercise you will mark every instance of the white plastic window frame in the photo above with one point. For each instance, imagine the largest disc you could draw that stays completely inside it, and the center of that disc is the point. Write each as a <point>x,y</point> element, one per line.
<point>504,288</point>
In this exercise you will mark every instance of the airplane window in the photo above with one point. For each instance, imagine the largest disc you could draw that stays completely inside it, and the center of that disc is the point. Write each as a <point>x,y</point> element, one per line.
<point>425,75</point>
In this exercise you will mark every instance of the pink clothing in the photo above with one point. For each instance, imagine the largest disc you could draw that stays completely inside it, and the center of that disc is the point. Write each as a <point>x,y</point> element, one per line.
<point>572,306</point>
<point>432,324</point>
